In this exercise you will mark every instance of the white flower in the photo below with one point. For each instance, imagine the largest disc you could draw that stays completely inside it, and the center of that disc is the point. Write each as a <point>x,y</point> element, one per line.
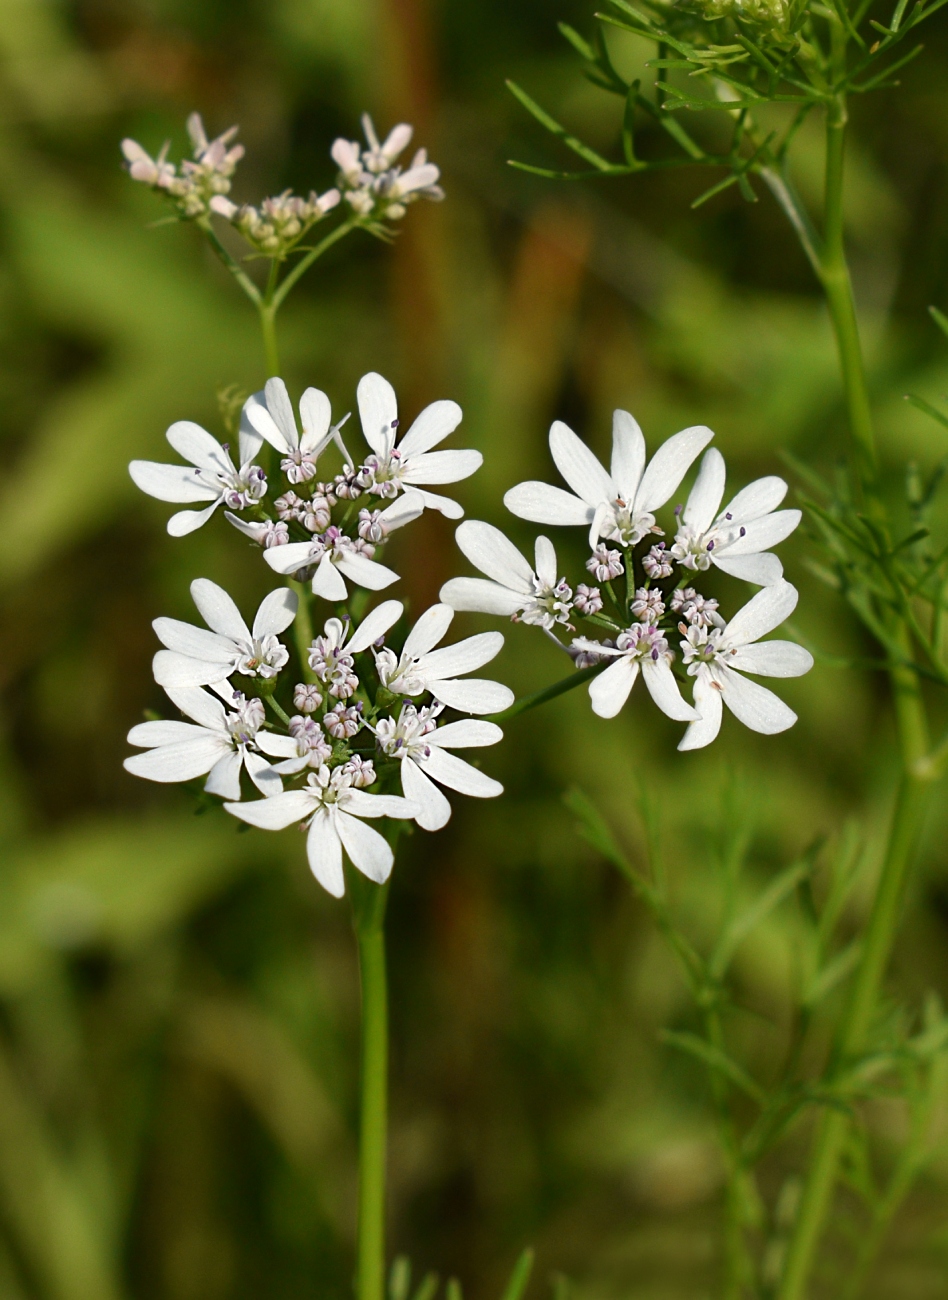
<point>374,184</point>
<point>333,554</point>
<point>421,745</point>
<point>538,598</point>
<point>643,648</point>
<point>412,463</point>
<point>195,657</point>
<point>214,477</point>
<point>620,505</point>
<point>420,667</point>
<point>737,538</point>
<point>714,658</point>
<point>334,807</point>
<point>157,172</point>
<point>271,414</point>
<point>221,743</point>
<point>331,655</point>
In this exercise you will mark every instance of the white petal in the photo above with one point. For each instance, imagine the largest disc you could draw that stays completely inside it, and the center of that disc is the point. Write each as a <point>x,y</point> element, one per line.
<point>218,611</point>
<point>277,611</point>
<point>579,467</point>
<point>663,688</point>
<point>428,631</point>
<point>287,559</point>
<point>490,551</point>
<point>477,594</point>
<point>772,659</point>
<point>260,419</point>
<point>365,572</point>
<point>705,497</point>
<point>367,849</point>
<point>378,407</point>
<point>327,580</point>
<point>179,483</point>
<point>472,695</point>
<point>410,505</point>
<point>149,735</point>
<point>197,704</point>
<point>361,804</point>
<point>447,769</point>
<point>265,778</point>
<point>469,733</point>
<point>610,689</point>
<point>545,561</point>
<point>197,642</point>
<point>174,670</point>
<point>316,417</point>
<point>281,408</point>
<point>764,570</point>
<point>758,498</point>
<point>189,521</point>
<point>224,779</point>
<point>542,503</point>
<point>761,534</point>
<point>709,704</point>
<point>431,427</point>
<point>275,745</point>
<point>628,454</point>
<point>249,441</point>
<point>374,625</point>
<point>199,447</point>
<point>755,706</point>
<point>324,852</point>
<point>277,813</point>
<point>180,762</point>
<point>434,811</point>
<point>254,531</point>
<point>669,466</point>
<point>434,501</point>
<point>761,615</point>
<point>463,657</point>
<point>442,466</point>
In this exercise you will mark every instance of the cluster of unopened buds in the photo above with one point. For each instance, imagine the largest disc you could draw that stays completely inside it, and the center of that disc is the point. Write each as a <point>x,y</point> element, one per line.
<point>375,188</point>
<point>643,598</point>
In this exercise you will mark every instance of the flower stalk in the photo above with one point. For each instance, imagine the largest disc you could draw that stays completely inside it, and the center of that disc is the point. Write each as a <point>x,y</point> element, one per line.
<point>368,918</point>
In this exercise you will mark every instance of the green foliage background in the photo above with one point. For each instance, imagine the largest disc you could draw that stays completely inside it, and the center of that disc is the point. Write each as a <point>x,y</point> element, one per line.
<point>178,1001</point>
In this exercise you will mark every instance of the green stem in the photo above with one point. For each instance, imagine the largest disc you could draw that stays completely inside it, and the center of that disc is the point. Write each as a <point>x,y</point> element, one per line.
<point>368,908</point>
<point>240,275</point>
<point>303,629</point>
<point>910,802</point>
<point>837,285</point>
<point>549,692</point>
<point>268,329</point>
<point>877,946</point>
<point>303,265</point>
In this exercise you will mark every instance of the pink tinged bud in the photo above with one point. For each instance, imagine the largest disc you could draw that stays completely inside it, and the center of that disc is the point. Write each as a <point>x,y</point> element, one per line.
<point>223,207</point>
<point>306,698</point>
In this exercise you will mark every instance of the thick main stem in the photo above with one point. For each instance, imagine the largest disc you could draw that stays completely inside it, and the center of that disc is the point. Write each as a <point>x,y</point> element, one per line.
<point>368,903</point>
<point>830,1137</point>
<point>837,285</point>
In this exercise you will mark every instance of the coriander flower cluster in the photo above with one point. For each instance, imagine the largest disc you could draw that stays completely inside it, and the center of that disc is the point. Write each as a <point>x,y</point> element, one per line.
<point>650,617</point>
<point>375,188</point>
<point>350,723</point>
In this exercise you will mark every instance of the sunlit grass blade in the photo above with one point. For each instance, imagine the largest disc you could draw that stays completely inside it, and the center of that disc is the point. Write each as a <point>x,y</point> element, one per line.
<point>519,1277</point>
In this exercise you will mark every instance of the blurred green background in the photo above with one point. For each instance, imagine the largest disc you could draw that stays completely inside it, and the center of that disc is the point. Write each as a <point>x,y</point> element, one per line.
<point>178,1001</point>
